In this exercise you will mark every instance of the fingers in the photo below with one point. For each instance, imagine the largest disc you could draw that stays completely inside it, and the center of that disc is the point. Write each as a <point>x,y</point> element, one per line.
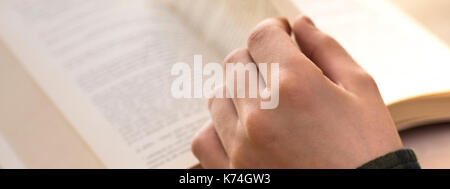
<point>224,118</point>
<point>242,81</point>
<point>208,149</point>
<point>270,42</point>
<point>326,53</point>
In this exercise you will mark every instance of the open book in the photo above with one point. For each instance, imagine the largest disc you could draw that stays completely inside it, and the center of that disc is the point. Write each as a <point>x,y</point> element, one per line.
<point>106,64</point>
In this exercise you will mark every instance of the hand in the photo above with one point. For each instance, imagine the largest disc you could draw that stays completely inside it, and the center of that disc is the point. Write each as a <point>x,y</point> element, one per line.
<point>330,113</point>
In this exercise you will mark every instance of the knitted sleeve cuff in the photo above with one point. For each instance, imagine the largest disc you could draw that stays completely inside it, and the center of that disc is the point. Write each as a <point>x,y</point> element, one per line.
<point>400,159</point>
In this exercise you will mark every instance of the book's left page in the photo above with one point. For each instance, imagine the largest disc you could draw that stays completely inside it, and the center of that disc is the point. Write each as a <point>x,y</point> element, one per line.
<point>106,66</point>
<point>8,158</point>
<point>29,121</point>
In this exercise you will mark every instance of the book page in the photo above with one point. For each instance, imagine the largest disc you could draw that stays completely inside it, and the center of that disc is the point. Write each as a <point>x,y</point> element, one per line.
<point>106,65</point>
<point>29,121</point>
<point>404,58</point>
<point>8,158</point>
<point>226,24</point>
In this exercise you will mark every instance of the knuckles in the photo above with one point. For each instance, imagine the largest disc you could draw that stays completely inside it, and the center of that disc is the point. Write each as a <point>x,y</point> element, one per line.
<point>259,129</point>
<point>367,78</point>
<point>260,33</point>
<point>287,81</point>
<point>197,142</point>
<point>237,157</point>
<point>323,40</point>
<point>210,102</point>
<point>326,41</point>
<point>364,80</point>
<point>236,56</point>
<point>293,90</point>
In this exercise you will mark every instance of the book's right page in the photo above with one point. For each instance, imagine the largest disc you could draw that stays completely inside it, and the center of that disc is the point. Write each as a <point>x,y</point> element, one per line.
<point>404,58</point>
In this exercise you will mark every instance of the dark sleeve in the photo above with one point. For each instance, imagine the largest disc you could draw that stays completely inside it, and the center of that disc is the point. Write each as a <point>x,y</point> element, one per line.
<point>400,159</point>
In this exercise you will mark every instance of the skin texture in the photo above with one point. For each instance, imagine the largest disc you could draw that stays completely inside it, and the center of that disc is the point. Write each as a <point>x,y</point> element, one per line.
<point>330,113</point>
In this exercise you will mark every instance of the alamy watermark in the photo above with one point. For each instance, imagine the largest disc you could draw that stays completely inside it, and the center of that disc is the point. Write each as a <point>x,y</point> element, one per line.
<point>242,80</point>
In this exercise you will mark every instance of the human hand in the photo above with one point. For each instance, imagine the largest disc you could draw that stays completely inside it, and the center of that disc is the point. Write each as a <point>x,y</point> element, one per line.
<point>330,113</point>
